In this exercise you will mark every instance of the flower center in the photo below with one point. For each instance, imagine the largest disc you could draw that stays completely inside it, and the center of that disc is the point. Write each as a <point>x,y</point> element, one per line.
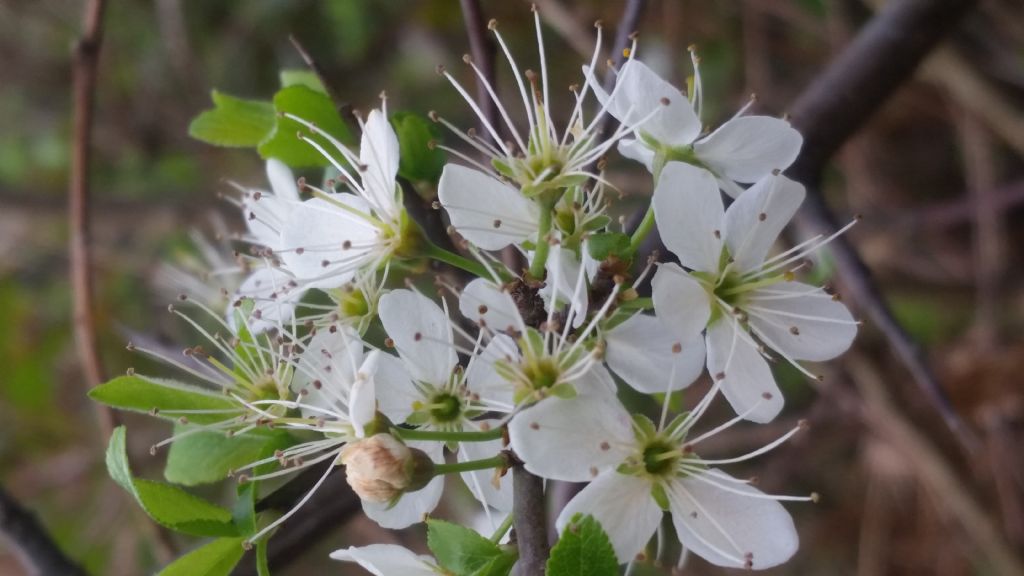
<point>542,373</point>
<point>660,457</point>
<point>445,407</point>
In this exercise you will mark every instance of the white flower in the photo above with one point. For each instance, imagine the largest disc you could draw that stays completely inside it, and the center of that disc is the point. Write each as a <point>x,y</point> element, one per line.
<point>528,362</point>
<point>501,202</point>
<point>266,212</point>
<point>425,386</point>
<point>330,238</point>
<point>637,471</point>
<point>389,560</point>
<point>744,149</point>
<point>735,292</point>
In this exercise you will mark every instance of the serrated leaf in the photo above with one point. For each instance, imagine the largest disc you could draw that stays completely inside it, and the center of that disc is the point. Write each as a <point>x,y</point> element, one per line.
<point>607,244</point>
<point>168,505</point>
<point>218,558</point>
<point>417,159</point>
<point>233,122</point>
<point>168,397</point>
<point>312,106</point>
<point>299,77</point>
<point>460,550</point>
<point>209,456</point>
<point>583,550</point>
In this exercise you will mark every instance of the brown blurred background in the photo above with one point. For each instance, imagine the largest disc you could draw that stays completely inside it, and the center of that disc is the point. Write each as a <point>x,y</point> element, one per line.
<point>938,175</point>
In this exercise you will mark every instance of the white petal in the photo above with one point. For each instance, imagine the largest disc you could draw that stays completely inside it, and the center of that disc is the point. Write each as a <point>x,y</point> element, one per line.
<point>682,303</point>
<point>563,277</point>
<point>688,210</point>
<point>634,149</point>
<point>387,560</point>
<point>274,296</point>
<point>753,222</point>
<point>422,334</point>
<point>746,148</point>
<point>640,93</point>
<point>378,151</point>
<point>748,385</point>
<point>624,507</point>
<point>823,326</point>
<point>326,370</point>
<point>317,231</point>
<point>481,482</point>
<point>412,507</point>
<point>572,440</point>
<point>596,381</point>
<point>646,354</point>
<point>363,400</point>
<point>724,527</point>
<point>282,181</point>
<point>482,301</point>
<point>482,379</point>
<point>395,389</point>
<point>487,212</point>
<point>266,218</point>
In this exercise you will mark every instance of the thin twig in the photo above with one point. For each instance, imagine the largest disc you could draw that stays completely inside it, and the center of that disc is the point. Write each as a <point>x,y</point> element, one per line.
<point>482,51</point>
<point>839,101</point>
<point>343,106</point>
<point>626,27</point>
<point>85,59</point>
<point>35,548</point>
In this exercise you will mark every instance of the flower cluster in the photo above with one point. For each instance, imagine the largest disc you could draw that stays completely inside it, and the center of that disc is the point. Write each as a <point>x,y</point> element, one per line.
<point>330,337</point>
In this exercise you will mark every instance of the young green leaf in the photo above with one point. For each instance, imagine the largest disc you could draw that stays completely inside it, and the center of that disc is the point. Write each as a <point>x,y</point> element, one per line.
<point>165,397</point>
<point>168,505</point>
<point>300,77</point>
<point>583,550</point>
<point>464,552</point>
<point>312,106</point>
<point>233,122</point>
<point>218,558</point>
<point>418,159</point>
<point>208,456</point>
<point>607,244</point>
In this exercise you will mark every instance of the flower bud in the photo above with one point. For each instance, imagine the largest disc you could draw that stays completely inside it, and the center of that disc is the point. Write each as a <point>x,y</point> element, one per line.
<point>381,468</point>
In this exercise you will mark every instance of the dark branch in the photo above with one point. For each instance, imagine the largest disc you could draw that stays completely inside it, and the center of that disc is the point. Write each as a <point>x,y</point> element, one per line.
<point>531,531</point>
<point>36,549</point>
<point>84,63</point>
<point>840,100</point>
<point>343,107</point>
<point>482,51</point>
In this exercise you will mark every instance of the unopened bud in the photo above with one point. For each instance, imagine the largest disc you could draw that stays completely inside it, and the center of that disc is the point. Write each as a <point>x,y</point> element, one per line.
<point>381,468</point>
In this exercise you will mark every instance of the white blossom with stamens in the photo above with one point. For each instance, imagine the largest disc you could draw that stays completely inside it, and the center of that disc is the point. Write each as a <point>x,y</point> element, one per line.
<point>426,386</point>
<point>743,149</point>
<point>532,363</point>
<point>389,560</point>
<point>497,203</point>
<point>746,300</point>
<point>331,237</point>
<point>637,471</point>
<point>642,350</point>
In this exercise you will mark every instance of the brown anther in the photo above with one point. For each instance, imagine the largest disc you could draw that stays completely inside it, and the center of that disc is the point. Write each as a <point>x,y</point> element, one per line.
<point>534,426</point>
<point>762,217</point>
<point>720,376</point>
<point>677,348</point>
<point>417,336</point>
<point>718,234</point>
<point>482,309</point>
<point>794,330</point>
<point>766,395</point>
<point>664,101</point>
<point>605,446</point>
<point>346,244</point>
<point>497,223</point>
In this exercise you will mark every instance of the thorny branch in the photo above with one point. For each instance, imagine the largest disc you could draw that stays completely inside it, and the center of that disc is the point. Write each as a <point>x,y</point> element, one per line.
<point>85,59</point>
<point>839,101</point>
<point>482,51</point>
<point>36,549</point>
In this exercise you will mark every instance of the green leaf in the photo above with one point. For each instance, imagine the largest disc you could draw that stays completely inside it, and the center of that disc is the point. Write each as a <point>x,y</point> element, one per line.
<point>299,77</point>
<point>583,550</point>
<point>418,160</point>
<point>168,505</point>
<point>218,558</point>
<point>607,244</point>
<point>209,456</point>
<point>233,122</point>
<point>462,551</point>
<point>167,397</point>
<point>498,566</point>
<point>312,106</point>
